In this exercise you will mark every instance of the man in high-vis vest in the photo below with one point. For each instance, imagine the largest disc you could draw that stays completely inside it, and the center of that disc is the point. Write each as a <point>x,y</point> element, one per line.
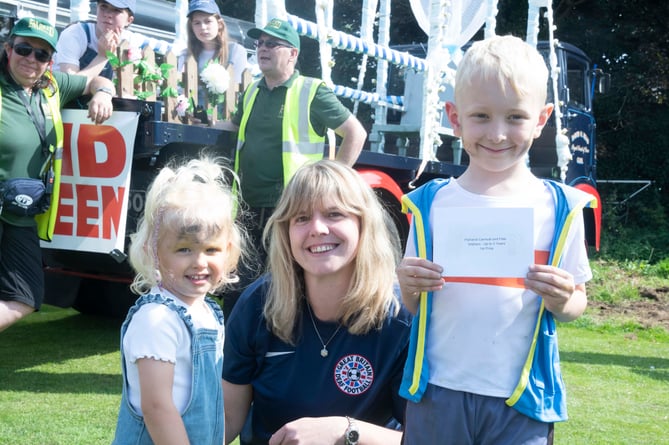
<point>282,120</point>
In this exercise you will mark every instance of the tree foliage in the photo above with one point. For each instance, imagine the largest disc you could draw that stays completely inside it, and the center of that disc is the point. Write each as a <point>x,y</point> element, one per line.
<point>630,40</point>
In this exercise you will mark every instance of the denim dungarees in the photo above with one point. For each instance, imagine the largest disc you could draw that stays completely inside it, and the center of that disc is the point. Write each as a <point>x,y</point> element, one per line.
<point>203,416</point>
<point>90,54</point>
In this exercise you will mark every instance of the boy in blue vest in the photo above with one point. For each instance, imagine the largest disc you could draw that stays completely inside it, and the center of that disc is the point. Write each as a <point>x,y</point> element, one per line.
<point>483,366</point>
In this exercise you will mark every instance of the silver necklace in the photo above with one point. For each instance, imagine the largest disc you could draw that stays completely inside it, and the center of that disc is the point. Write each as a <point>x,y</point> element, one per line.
<point>324,351</point>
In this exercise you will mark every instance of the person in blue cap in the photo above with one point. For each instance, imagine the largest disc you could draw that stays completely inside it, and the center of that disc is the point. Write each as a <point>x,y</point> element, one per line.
<point>31,143</point>
<point>281,123</point>
<point>208,42</point>
<point>82,47</point>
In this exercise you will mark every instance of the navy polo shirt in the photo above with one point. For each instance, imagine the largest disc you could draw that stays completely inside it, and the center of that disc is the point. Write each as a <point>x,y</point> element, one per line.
<point>359,378</point>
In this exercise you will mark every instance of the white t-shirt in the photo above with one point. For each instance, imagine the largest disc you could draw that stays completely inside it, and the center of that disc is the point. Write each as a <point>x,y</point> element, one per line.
<point>158,332</point>
<point>72,43</point>
<point>480,334</point>
<point>237,58</point>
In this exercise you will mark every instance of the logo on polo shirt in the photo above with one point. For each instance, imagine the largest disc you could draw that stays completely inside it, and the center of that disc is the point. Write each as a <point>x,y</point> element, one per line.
<point>354,374</point>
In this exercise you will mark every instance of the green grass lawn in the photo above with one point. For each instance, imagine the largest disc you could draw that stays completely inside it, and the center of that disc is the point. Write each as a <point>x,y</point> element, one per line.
<point>60,375</point>
<point>617,385</point>
<point>60,382</point>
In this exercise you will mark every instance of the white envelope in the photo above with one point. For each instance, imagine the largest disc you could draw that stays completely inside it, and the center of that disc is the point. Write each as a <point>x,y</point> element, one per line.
<point>483,241</point>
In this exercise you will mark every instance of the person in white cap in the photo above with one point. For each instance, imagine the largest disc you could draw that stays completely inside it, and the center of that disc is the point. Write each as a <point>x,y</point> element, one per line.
<point>82,47</point>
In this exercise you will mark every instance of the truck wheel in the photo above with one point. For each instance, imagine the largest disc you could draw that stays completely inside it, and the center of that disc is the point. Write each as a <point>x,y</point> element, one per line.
<point>104,298</point>
<point>394,209</point>
<point>59,289</point>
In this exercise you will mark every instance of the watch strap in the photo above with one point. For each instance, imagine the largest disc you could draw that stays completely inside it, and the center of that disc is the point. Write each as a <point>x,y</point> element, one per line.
<point>105,90</point>
<point>352,435</point>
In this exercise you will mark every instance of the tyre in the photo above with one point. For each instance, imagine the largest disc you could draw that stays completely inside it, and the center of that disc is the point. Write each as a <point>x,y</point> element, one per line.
<point>60,289</point>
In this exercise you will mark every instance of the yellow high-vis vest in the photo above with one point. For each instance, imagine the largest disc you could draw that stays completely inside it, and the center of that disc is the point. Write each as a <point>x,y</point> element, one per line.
<point>300,142</point>
<point>46,222</point>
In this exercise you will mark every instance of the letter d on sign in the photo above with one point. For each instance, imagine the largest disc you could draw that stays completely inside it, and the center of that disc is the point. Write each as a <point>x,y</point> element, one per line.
<point>101,151</point>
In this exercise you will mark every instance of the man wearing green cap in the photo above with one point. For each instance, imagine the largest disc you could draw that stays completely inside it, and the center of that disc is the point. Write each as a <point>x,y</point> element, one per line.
<point>31,142</point>
<point>282,120</point>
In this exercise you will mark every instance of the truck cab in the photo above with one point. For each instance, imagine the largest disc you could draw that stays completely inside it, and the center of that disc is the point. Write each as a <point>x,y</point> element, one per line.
<point>576,89</point>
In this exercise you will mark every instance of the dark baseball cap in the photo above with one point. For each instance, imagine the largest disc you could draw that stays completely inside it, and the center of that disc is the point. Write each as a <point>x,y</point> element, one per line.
<point>208,6</point>
<point>278,28</point>
<point>123,4</point>
<point>37,28</point>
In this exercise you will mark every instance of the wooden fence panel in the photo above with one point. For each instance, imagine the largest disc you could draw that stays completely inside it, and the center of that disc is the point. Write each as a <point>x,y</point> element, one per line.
<point>128,84</point>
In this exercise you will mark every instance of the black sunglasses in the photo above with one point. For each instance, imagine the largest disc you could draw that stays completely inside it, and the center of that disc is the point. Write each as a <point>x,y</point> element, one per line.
<point>24,50</point>
<point>270,44</point>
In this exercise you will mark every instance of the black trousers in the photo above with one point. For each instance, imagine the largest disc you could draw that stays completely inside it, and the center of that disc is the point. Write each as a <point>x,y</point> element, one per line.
<point>249,270</point>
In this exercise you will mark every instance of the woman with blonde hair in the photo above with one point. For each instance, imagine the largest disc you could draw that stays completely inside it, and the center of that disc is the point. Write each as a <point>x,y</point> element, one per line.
<point>318,344</point>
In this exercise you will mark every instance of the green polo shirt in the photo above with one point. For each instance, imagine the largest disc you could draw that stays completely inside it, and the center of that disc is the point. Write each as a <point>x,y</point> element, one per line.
<point>21,154</point>
<point>260,160</point>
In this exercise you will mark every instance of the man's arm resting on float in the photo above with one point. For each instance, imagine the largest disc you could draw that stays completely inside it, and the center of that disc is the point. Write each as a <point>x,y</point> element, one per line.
<point>96,84</point>
<point>237,401</point>
<point>100,106</point>
<point>353,136</point>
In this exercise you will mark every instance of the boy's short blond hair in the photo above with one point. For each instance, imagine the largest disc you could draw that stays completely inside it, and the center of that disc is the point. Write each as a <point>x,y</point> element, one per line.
<point>506,60</point>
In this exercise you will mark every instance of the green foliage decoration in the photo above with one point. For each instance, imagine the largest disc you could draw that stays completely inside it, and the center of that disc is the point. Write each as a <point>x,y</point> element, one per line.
<point>146,72</point>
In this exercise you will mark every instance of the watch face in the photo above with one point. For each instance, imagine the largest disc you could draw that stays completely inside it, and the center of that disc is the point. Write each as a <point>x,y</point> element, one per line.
<point>353,436</point>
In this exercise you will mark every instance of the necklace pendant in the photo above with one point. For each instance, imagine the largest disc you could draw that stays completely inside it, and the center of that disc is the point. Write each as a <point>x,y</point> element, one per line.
<point>324,352</point>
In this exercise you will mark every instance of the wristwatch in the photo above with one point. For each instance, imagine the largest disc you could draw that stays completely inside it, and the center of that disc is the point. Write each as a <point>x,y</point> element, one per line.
<point>105,90</point>
<point>352,434</point>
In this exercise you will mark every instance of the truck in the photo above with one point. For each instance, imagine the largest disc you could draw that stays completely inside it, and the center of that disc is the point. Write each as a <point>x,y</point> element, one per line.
<point>86,266</point>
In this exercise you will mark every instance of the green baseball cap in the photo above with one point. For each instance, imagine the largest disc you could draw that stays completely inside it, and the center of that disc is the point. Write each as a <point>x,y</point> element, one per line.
<point>278,28</point>
<point>37,28</point>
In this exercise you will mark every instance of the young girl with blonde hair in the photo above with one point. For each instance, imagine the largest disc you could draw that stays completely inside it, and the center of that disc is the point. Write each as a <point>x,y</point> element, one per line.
<point>186,246</point>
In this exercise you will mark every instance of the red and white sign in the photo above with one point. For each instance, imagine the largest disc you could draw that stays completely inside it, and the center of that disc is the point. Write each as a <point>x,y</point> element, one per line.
<point>95,182</point>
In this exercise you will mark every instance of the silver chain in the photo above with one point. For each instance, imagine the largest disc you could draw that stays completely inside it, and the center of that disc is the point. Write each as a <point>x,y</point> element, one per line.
<point>324,351</point>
